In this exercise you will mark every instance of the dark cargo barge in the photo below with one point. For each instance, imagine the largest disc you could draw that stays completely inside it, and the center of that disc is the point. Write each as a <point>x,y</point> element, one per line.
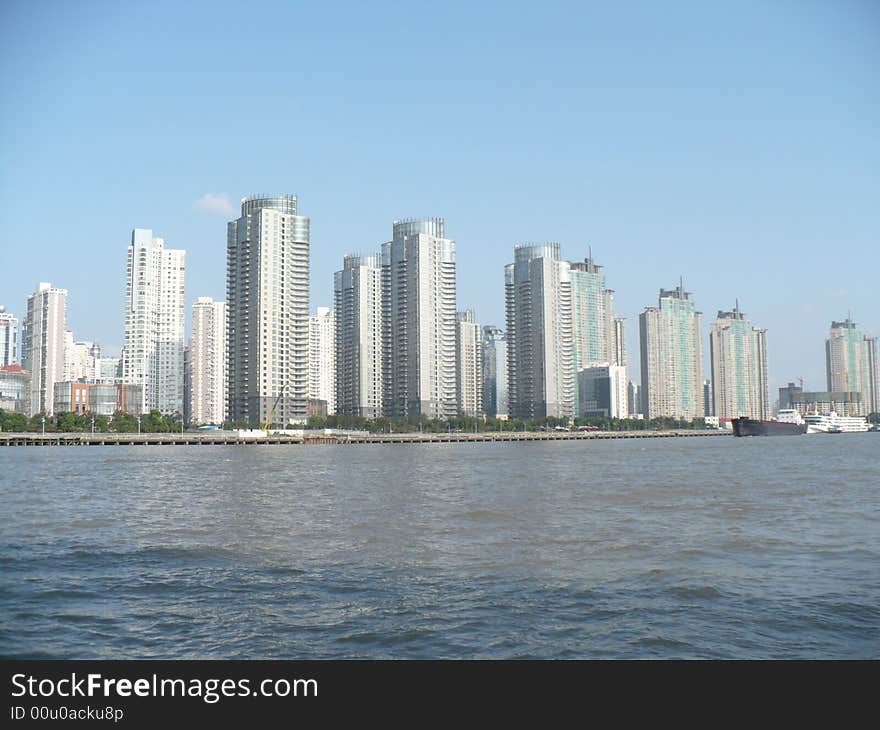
<point>743,426</point>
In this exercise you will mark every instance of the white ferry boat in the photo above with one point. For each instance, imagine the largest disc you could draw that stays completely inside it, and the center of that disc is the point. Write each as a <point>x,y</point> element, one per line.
<point>832,423</point>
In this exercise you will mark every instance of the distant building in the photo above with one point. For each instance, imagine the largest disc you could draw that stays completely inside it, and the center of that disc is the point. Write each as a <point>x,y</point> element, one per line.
<point>418,274</point>
<point>469,362</point>
<point>316,408</point>
<point>597,333</point>
<point>634,398</point>
<point>103,399</point>
<point>540,364</point>
<point>738,353</point>
<point>494,372</point>
<point>322,357</point>
<point>8,338</point>
<point>15,386</point>
<point>602,391</point>
<point>108,369</point>
<point>672,357</point>
<point>708,399</point>
<point>206,363</point>
<point>267,299</point>
<point>852,362</point>
<point>786,396</point>
<point>152,356</point>
<point>43,345</point>
<point>357,296</point>
<point>79,359</point>
<point>823,403</point>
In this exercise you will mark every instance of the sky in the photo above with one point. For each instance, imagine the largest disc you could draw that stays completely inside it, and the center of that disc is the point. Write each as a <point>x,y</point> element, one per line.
<point>734,144</point>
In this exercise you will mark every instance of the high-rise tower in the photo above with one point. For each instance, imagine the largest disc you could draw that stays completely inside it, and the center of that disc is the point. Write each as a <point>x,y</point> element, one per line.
<point>207,362</point>
<point>672,359</point>
<point>469,363</point>
<point>9,351</point>
<point>42,345</point>
<point>419,305</point>
<point>267,300</point>
<point>738,353</point>
<point>357,292</point>
<point>851,361</point>
<point>541,376</point>
<point>152,356</point>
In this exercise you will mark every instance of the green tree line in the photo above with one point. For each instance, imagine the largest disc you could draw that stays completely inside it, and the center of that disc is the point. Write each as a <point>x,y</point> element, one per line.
<point>153,422</point>
<point>480,425</point>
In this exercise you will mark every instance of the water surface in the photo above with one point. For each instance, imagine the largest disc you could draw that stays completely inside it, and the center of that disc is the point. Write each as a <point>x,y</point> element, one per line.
<point>694,547</point>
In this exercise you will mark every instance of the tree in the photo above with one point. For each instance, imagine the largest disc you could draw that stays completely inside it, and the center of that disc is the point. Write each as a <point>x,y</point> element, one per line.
<point>11,421</point>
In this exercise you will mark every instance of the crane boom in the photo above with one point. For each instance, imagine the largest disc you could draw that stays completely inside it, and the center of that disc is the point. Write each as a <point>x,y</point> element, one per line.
<point>272,410</point>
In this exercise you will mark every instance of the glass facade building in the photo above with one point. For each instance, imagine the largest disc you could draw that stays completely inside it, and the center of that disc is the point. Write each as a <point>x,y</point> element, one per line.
<point>671,357</point>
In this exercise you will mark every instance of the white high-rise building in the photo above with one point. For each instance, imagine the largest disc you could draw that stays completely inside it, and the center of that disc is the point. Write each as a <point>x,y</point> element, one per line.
<point>267,300</point>
<point>853,364</point>
<point>469,362</point>
<point>672,357</point>
<point>152,356</point>
<point>738,353</point>
<point>541,377</point>
<point>419,304</point>
<point>8,338</point>
<point>79,359</point>
<point>206,362</point>
<point>357,292</point>
<point>43,345</point>
<point>322,357</point>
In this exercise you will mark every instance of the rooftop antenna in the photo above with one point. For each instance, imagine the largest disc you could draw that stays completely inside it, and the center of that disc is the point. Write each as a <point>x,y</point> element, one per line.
<point>590,252</point>
<point>681,285</point>
<point>737,307</point>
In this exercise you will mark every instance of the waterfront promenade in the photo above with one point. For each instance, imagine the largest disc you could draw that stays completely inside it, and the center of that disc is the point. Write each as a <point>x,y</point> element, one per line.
<point>231,438</point>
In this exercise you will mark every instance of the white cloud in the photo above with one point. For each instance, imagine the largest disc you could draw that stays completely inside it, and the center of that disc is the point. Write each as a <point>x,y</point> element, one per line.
<point>218,203</point>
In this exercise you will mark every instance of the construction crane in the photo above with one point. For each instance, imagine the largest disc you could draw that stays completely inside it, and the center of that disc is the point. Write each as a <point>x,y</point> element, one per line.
<point>272,409</point>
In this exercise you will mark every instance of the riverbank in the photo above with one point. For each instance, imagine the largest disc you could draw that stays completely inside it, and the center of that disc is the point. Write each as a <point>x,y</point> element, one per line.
<point>215,438</point>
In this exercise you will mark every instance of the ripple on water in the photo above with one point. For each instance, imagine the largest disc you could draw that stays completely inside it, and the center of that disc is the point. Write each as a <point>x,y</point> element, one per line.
<point>711,548</point>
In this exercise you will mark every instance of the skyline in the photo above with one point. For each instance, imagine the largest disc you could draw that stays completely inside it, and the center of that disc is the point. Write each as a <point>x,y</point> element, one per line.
<point>658,142</point>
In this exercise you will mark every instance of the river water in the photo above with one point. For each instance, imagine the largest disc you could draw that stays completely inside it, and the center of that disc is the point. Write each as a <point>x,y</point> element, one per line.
<point>674,548</point>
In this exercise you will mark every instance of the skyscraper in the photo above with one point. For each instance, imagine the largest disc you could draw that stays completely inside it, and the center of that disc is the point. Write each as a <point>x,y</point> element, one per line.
<point>152,356</point>
<point>357,292</point>
<point>634,398</point>
<point>42,343</point>
<point>596,332</point>
<point>738,353</point>
<point>541,376</point>
<point>495,402</point>
<point>851,361</point>
<point>469,364</point>
<point>419,305</point>
<point>671,355</point>
<point>206,362</point>
<point>598,335</point>
<point>322,357</point>
<point>8,338</point>
<point>267,299</point>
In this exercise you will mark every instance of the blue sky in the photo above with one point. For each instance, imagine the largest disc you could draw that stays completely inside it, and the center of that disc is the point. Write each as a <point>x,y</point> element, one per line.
<point>736,144</point>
